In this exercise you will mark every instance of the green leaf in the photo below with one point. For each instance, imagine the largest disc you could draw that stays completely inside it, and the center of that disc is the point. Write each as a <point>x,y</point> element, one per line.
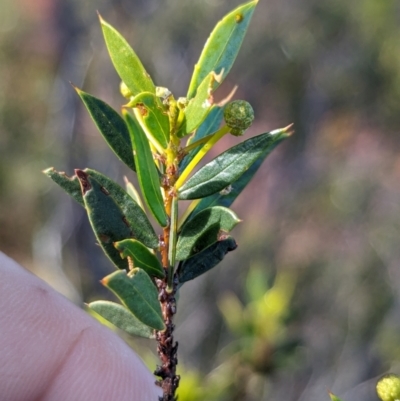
<point>227,196</point>
<point>111,126</point>
<point>209,126</point>
<point>205,229</point>
<point>135,216</point>
<point>149,180</point>
<point>141,257</point>
<point>126,62</point>
<point>106,218</point>
<point>137,292</point>
<point>173,234</point>
<point>204,261</point>
<point>70,185</point>
<point>334,398</point>
<point>229,165</point>
<point>198,107</point>
<point>120,317</point>
<point>222,46</point>
<point>132,192</point>
<point>142,230</point>
<point>155,119</point>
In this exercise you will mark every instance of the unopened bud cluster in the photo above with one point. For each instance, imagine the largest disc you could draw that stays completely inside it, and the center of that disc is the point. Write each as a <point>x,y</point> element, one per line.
<point>388,388</point>
<point>238,116</point>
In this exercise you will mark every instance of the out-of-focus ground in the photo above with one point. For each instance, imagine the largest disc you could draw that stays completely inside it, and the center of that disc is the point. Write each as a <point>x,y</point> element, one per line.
<point>324,209</point>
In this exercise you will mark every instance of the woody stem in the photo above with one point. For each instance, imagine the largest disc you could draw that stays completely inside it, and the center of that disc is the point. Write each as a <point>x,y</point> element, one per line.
<point>166,347</point>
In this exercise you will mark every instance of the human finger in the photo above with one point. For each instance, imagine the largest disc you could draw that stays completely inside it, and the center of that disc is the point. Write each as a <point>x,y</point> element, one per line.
<point>52,351</point>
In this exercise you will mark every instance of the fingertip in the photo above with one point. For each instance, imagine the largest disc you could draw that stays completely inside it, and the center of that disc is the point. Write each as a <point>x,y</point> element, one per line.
<point>100,368</point>
<point>51,350</point>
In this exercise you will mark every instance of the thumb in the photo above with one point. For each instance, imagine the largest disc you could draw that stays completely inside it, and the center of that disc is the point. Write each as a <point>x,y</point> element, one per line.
<point>52,351</point>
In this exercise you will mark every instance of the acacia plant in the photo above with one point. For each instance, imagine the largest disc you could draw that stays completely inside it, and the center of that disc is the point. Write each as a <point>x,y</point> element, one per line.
<point>162,140</point>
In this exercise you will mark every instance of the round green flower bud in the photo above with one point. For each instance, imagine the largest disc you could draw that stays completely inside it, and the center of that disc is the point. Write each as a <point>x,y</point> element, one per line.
<point>125,91</point>
<point>388,388</point>
<point>238,116</point>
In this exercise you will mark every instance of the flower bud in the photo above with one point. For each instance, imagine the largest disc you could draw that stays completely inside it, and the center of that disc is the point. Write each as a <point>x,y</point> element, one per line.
<point>238,116</point>
<point>182,102</point>
<point>388,388</point>
<point>163,93</point>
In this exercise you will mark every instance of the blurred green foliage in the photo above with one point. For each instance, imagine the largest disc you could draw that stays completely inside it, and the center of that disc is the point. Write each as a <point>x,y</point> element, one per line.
<point>328,212</point>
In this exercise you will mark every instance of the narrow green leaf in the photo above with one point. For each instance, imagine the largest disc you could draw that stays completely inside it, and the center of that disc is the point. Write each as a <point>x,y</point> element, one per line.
<point>135,216</point>
<point>106,218</point>
<point>120,317</point>
<point>154,117</point>
<point>141,257</point>
<point>70,185</point>
<point>126,62</point>
<point>228,195</point>
<point>204,261</point>
<point>137,124</point>
<point>173,233</point>
<point>198,107</point>
<point>140,225</point>
<point>222,46</point>
<point>205,229</point>
<point>111,126</point>
<point>137,292</point>
<point>209,126</point>
<point>132,192</point>
<point>149,180</point>
<point>229,165</point>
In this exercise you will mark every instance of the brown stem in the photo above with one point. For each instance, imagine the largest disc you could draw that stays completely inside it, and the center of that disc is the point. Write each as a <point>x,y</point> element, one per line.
<point>164,249</point>
<point>167,348</point>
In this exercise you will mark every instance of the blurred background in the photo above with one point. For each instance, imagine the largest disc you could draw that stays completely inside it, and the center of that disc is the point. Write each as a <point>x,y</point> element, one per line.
<point>310,300</point>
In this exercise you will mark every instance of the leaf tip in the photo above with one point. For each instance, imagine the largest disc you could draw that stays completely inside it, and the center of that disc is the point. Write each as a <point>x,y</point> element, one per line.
<point>117,245</point>
<point>100,17</point>
<point>48,171</point>
<point>286,131</point>
<point>333,397</point>
<point>289,129</point>
<point>78,91</point>
<point>228,98</point>
<point>105,281</point>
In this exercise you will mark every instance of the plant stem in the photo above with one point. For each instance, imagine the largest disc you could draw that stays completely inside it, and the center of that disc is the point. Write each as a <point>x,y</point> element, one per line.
<point>167,348</point>
<point>194,145</point>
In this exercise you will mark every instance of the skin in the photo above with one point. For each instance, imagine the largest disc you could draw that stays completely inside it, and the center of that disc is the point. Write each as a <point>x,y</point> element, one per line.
<point>50,350</point>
